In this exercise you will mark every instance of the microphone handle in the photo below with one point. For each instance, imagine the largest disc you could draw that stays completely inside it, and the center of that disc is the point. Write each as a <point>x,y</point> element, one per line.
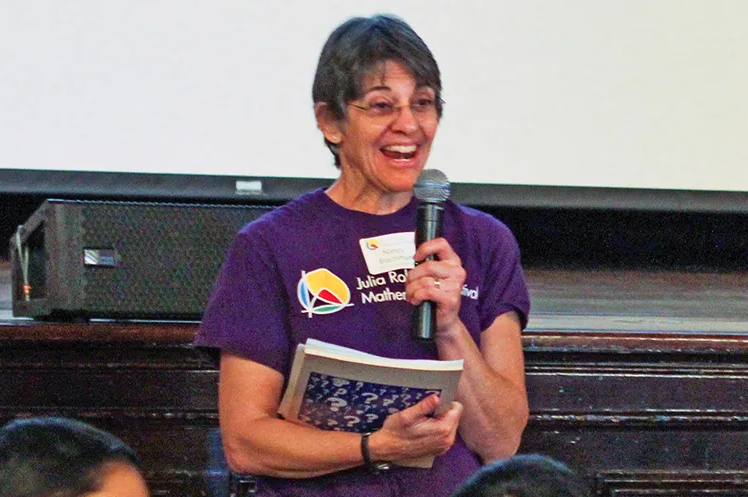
<point>428,227</point>
<point>429,223</point>
<point>423,327</point>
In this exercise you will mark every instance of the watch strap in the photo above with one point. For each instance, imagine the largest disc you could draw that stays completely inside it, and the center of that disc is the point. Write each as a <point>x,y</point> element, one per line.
<point>374,467</point>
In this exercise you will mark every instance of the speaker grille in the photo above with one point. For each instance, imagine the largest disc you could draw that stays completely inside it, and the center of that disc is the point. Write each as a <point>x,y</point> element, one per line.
<point>125,260</point>
<point>167,256</point>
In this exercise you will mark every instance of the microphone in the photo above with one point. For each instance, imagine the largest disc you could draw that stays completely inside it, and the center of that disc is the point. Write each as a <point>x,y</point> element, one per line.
<point>432,189</point>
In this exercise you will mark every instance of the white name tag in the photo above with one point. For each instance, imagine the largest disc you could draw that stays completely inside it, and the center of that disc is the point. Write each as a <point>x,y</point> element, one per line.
<point>389,252</point>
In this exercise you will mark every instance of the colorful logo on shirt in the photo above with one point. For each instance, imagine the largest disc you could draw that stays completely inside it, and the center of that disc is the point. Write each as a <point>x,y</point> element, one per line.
<point>321,292</point>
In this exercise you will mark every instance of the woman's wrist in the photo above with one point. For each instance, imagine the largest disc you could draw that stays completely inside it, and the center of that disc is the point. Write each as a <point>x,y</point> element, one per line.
<point>372,462</point>
<point>449,336</point>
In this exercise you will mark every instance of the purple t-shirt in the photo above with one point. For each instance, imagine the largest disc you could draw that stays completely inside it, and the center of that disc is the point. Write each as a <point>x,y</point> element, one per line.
<point>300,271</point>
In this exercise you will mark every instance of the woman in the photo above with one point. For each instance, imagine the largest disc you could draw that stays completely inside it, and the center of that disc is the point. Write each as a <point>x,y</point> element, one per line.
<point>377,100</point>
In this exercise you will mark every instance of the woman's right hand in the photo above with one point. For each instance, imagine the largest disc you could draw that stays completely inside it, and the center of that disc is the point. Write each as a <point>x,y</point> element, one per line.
<point>414,432</point>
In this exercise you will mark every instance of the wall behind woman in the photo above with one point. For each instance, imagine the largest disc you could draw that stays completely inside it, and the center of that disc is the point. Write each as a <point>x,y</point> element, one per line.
<point>636,94</point>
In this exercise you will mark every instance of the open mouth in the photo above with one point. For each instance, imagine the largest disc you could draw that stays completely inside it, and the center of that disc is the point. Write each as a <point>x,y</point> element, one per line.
<point>400,152</point>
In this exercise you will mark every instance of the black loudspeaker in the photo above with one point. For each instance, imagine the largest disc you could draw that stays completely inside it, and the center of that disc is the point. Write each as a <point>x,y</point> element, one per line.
<point>121,260</point>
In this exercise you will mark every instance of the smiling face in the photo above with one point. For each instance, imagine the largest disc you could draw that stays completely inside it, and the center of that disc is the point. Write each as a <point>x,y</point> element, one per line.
<point>386,140</point>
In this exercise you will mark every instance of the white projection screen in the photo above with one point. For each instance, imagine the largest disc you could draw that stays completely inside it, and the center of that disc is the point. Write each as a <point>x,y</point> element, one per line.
<point>610,103</point>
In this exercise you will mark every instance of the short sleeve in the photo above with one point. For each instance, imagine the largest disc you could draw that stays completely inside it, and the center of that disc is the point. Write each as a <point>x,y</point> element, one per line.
<point>504,280</point>
<point>247,310</point>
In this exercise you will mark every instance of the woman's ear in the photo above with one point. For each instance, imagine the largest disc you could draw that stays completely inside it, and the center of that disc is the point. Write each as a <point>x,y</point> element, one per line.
<point>328,123</point>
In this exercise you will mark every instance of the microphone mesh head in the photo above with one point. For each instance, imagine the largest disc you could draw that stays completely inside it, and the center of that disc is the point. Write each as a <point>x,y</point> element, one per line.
<point>432,186</point>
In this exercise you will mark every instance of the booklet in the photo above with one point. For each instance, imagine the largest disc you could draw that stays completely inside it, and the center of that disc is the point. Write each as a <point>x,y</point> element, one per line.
<point>342,389</point>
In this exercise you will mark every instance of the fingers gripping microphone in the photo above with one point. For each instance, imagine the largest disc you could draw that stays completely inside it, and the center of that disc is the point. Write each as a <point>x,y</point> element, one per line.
<point>432,189</point>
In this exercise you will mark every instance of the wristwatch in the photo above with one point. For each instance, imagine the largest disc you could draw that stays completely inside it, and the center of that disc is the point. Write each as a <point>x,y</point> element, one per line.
<point>374,467</point>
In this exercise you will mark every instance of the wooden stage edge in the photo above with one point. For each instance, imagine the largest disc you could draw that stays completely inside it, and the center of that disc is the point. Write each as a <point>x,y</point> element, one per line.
<point>534,340</point>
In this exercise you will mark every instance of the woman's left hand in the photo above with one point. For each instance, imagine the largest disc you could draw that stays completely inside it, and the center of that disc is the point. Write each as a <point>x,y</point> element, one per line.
<point>439,281</point>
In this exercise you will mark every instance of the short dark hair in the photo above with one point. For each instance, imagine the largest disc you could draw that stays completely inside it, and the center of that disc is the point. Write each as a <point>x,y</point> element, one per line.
<point>531,475</point>
<point>45,455</point>
<point>360,45</point>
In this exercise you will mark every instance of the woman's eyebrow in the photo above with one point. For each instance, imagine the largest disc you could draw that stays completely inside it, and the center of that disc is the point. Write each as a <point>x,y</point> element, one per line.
<point>387,88</point>
<point>378,88</point>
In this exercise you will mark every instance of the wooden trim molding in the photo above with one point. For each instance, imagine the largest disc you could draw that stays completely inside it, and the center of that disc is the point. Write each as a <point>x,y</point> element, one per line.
<point>668,483</point>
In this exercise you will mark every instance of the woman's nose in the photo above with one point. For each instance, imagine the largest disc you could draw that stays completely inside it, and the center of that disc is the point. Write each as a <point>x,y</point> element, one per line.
<point>405,120</point>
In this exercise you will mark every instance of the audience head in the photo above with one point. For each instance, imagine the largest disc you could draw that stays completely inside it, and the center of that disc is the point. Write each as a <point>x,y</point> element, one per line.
<point>61,457</point>
<point>523,476</point>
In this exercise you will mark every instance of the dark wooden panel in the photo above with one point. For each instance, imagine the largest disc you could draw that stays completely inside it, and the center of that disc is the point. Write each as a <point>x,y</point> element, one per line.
<point>147,390</point>
<point>641,390</point>
<point>668,484</point>
<point>642,414</point>
<point>639,414</point>
<point>187,484</point>
<point>595,448</point>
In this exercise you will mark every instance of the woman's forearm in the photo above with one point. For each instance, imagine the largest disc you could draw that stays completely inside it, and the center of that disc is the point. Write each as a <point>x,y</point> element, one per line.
<point>492,387</point>
<point>279,448</point>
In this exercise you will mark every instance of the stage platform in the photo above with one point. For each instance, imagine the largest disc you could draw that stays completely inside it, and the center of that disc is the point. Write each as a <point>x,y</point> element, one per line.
<point>609,301</point>
<point>648,301</point>
<point>635,379</point>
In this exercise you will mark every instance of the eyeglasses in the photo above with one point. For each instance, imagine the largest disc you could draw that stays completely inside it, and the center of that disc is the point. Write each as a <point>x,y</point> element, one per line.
<point>423,108</point>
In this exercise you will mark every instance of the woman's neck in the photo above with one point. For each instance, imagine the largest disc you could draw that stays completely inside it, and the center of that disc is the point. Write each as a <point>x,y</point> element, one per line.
<point>366,200</point>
